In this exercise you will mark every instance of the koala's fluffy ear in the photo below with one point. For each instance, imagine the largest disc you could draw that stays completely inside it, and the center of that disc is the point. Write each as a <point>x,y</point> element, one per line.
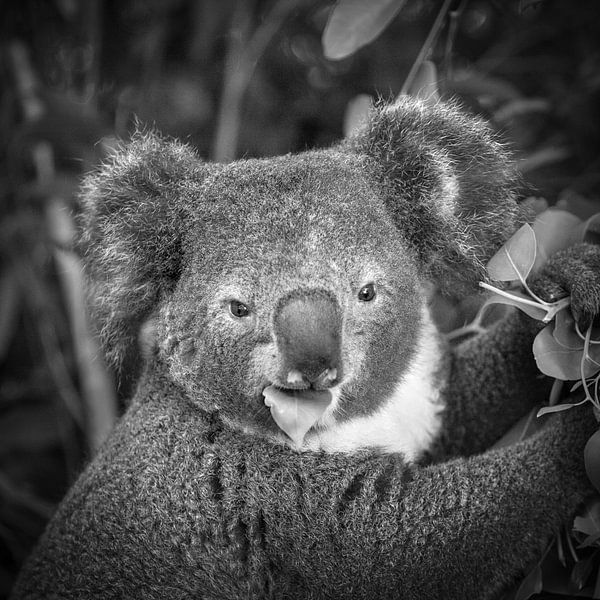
<point>449,185</point>
<point>133,217</point>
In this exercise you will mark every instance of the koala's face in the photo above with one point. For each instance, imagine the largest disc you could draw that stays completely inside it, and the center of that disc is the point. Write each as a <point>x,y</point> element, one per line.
<point>301,272</point>
<point>294,277</point>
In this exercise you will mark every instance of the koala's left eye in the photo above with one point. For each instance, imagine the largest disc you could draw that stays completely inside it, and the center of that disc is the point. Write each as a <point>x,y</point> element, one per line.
<point>367,293</point>
<point>238,309</point>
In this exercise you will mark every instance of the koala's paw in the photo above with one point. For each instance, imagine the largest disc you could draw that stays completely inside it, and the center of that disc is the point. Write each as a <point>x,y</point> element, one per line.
<point>575,272</point>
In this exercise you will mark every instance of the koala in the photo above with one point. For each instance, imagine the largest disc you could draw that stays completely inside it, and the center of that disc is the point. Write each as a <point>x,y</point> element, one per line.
<point>300,428</point>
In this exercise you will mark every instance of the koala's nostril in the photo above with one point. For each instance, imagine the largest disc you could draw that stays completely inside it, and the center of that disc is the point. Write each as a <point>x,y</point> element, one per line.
<point>330,374</point>
<point>294,376</point>
<point>308,327</point>
<point>324,378</point>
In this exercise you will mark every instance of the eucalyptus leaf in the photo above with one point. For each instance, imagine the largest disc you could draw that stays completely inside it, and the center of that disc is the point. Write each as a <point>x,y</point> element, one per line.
<point>590,540</point>
<point>532,584</point>
<point>554,230</point>
<point>591,230</point>
<point>425,85</point>
<point>591,457</point>
<point>591,510</point>
<point>565,333</point>
<point>353,24</point>
<point>357,113</point>
<point>555,360</point>
<point>592,360</point>
<point>592,354</point>
<point>546,410</point>
<point>296,411</point>
<point>588,524</point>
<point>514,261</point>
<point>580,573</point>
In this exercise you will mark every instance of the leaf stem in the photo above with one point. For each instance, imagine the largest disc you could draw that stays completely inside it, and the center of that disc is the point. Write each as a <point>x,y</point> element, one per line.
<point>500,292</point>
<point>571,547</point>
<point>585,356</point>
<point>530,292</point>
<point>582,335</point>
<point>550,308</point>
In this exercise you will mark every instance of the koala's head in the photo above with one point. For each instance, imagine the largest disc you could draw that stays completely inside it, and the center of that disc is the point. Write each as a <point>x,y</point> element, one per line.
<point>302,272</point>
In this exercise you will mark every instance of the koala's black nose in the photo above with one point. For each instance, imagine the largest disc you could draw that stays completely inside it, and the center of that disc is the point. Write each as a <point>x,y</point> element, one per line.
<point>307,327</point>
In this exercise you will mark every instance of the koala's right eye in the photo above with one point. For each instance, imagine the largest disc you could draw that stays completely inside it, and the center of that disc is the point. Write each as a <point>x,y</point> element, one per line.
<point>367,293</point>
<point>238,309</point>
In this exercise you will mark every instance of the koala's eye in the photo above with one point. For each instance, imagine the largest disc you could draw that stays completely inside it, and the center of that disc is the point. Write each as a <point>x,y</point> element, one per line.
<point>238,309</point>
<point>367,293</point>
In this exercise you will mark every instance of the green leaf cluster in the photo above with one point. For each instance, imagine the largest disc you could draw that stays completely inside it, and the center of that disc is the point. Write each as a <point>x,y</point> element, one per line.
<point>566,353</point>
<point>561,349</point>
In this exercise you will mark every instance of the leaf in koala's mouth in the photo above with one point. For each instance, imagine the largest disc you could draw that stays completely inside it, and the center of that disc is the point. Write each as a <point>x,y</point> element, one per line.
<point>296,411</point>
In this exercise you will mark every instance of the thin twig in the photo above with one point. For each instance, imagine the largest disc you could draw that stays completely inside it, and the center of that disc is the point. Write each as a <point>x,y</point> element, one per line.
<point>455,16</point>
<point>98,393</point>
<point>243,54</point>
<point>235,81</point>
<point>427,45</point>
<point>96,385</point>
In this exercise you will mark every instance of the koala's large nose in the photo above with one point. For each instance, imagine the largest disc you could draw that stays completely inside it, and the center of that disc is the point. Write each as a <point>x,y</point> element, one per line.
<point>307,328</point>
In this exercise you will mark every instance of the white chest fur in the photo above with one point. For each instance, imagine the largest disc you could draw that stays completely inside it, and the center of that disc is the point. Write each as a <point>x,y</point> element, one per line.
<point>407,422</point>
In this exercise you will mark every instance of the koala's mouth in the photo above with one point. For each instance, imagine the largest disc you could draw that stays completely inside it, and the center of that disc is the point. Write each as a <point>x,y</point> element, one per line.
<point>296,411</point>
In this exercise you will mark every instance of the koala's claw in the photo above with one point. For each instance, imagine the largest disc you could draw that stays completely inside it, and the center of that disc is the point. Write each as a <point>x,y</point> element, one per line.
<point>575,272</point>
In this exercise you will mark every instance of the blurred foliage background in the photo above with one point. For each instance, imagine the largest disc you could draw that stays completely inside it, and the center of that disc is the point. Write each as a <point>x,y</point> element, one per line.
<point>234,78</point>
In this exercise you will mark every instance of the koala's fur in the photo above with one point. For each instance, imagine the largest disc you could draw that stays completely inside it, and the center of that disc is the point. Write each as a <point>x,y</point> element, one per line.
<point>198,494</point>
